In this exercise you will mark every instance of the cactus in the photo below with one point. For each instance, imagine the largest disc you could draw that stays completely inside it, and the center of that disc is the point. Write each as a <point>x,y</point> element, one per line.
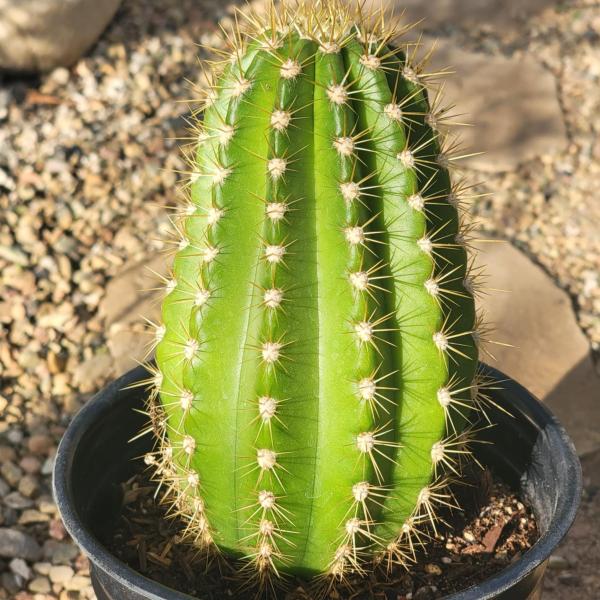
<point>316,362</point>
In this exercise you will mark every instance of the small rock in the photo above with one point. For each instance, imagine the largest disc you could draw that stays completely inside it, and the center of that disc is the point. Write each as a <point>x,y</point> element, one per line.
<point>60,384</point>
<point>571,579</point>
<point>17,501</point>
<point>558,563</point>
<point>60,574</point>
<point>48,466</point>
<point>43,568</point>
<point>123,301</point>
<point>11,473</point>
<point>125,238</point>
<point>55,318</point>
<point>4,488</point>
<point>60,553</point>
<point>78,583</point>
<point>56,363</point>
<point>40,444</point>
<point>19,567</point>
<point>468,536</point>
<point>9,582</point>
<point>33,516</point>
<point>47,506</point>
<point>24,281</point>
<point>427,592</point>
<point>9,517</point>
<point>39,585</point>
<point>28,486</point>
<point>7,453</point>
<point>12,253</point>
<point>57,530</point>
<point>59,76</point>
<point>16,544</point>
<point>15,436</point>
<point>433,569</point>
<point>82,564</point>
<point>30,464</point>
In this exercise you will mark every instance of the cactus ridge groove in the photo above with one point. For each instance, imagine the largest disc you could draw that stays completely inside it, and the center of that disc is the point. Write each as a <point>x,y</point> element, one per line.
<point>316,364</point>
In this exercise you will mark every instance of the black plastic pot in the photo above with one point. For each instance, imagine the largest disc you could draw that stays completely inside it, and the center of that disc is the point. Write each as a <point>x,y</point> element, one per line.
<point>530,450</point>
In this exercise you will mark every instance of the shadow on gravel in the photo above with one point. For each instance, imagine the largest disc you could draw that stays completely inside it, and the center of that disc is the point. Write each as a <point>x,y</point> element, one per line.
<point>576,402</point>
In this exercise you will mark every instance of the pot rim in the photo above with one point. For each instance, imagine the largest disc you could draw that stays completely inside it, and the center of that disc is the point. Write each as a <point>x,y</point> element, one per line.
<point>502,581</point>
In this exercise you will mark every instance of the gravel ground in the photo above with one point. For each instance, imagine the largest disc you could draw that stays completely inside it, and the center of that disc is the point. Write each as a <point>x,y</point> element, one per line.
<point>88,160</point>
<point>549,207</point>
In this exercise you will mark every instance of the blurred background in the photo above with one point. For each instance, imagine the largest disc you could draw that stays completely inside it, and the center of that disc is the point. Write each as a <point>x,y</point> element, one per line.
<point>93,95</point>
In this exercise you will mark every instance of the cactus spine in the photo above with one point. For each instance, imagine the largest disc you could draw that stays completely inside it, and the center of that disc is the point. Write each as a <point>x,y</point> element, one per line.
<point>317,357</point>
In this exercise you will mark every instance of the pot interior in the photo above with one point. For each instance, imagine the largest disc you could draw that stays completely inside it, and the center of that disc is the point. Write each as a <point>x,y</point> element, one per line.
<point>525,446</point>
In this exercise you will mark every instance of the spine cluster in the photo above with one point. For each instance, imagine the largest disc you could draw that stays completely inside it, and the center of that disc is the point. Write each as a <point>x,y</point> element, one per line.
<point>316,360</point>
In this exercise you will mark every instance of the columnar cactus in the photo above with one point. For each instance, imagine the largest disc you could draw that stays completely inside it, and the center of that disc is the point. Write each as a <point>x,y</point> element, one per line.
<point>316,362</point>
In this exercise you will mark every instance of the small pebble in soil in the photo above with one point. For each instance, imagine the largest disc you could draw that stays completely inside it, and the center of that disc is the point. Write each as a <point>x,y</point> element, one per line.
<point>558,563</point>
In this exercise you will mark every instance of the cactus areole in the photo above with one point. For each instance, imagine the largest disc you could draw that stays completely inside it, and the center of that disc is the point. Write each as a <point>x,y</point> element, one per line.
<point>316,360</point>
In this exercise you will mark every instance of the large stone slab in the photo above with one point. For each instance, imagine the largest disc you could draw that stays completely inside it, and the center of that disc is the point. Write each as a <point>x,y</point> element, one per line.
<point>130,292</point>
<point>495,14</point>
<point>551,355</point>
<point>128,300</point>
<point>511,103</point>
<point>42,34</point>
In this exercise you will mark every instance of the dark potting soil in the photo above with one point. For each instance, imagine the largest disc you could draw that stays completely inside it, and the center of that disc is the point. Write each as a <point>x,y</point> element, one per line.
<point>494,530</point>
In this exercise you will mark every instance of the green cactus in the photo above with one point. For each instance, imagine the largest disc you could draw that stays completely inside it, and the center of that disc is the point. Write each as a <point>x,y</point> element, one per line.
<point>317,358</point>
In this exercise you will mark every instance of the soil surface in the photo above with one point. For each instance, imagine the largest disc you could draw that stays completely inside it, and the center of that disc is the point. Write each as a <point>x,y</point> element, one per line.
<point>469,547</point>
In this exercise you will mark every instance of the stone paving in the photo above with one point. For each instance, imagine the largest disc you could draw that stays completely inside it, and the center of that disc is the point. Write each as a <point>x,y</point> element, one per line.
<point>88,162</point>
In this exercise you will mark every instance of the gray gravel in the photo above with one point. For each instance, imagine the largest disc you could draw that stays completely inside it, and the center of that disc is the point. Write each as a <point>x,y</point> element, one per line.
<point>16,544</point>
